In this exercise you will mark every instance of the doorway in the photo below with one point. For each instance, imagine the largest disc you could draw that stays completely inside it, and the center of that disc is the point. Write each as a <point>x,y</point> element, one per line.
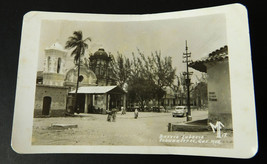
<point>46,105</point>
<point>80,102</point>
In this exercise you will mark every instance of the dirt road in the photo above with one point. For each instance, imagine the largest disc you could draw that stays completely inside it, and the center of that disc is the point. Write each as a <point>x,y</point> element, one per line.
<point>147,129</point>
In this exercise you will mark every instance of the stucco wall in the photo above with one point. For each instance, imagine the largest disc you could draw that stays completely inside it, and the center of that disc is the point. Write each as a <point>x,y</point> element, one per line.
<point>57,94</point>
<point>89,78</point>
<point>53,79</point>
<point>51,61</point>
<point>219,97</point>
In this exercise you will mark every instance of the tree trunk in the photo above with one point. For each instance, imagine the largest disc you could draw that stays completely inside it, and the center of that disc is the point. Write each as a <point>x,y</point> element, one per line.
<point>77,86</point>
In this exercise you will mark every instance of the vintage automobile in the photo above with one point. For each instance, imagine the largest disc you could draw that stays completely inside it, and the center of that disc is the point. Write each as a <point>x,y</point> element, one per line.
<point>162,109</point>
<point>158,109</point>
<point>179,111</point>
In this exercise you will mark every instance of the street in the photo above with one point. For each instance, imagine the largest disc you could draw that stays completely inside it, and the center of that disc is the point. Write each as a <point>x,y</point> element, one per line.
<point>149,129</point>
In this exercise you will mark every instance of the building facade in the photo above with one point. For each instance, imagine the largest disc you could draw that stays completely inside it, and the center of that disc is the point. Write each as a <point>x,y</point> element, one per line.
<point>54,65</point>
<point>55,86</point>
<point>50,100</point>
<point>50,94</point>
<point>100,64</point>
<point>219,96</point>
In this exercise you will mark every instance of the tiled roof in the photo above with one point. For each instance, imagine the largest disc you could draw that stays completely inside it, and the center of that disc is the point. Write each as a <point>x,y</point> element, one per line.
<point>218,55</point>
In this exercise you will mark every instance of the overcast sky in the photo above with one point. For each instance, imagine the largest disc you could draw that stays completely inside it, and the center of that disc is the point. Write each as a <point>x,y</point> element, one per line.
<point>203,34</point>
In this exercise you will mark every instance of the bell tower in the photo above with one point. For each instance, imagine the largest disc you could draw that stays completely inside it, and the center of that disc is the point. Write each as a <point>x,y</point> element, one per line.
<point>54,65</point>
<point>100,65</point>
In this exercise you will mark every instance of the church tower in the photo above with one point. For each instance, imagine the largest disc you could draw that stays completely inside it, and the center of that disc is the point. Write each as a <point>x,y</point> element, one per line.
<point>100,64</point>
<point>54,65</point>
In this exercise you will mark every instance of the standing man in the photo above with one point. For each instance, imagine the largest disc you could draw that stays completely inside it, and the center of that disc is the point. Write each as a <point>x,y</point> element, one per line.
<point>136,113</point>
<point>114,112</point>
<point>123,111</point>
<point>109,115</point>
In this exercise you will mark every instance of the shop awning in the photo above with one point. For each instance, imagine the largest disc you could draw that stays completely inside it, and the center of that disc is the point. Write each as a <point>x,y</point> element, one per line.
<point>99,90</point>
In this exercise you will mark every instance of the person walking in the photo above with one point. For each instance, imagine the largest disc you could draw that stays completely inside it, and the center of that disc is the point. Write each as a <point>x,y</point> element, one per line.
<point>109,115</point>
<point>123,111</point>
<point>136,113</point>
<point>114,112</point>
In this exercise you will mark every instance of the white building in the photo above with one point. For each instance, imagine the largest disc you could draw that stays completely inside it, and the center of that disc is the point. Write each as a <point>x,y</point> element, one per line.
<point>219,97</point>
<point>56,86</point>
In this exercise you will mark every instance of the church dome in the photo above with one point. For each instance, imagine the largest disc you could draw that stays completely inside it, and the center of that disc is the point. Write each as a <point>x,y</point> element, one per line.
<point>100,54</point>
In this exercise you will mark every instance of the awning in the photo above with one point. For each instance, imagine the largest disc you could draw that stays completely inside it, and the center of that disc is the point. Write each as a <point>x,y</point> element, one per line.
<point>99,90</point>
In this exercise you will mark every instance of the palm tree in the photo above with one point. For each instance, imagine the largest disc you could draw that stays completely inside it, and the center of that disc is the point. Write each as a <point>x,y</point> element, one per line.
<point>76,41</point>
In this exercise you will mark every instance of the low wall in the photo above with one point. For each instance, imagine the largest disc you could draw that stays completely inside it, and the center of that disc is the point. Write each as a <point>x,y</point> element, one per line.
<point>58,96</point>
<point>188,128</point>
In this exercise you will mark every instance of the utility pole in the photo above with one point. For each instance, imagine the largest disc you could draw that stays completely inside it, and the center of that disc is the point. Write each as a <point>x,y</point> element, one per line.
<point>187,74</point>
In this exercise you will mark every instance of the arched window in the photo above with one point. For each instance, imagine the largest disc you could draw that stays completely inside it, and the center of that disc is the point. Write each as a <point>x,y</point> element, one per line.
<point>48,63</point>
<point>58,65</point>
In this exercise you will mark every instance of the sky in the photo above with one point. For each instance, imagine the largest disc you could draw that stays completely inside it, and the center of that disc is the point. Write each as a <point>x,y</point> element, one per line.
<point>204,34</point>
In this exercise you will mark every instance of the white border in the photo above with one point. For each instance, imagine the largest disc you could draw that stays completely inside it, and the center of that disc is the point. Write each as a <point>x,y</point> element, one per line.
<point>242,91</point>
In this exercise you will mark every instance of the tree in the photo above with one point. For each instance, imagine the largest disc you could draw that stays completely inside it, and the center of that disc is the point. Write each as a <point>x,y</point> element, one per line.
<point>200,91</point>
<point>164,73</point>
<point>200,94</point>
<point>163,70</point>
<point>121,69</point>
<point>144,76</point>
<point>182,91</point>
<point>78,44</point>
<point>141,90</point>
<point>154,72</point>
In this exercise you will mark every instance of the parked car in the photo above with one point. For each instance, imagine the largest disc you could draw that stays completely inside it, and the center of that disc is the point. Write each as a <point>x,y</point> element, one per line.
<point>162,109</point>
<point>154,109</point>
<point>179,111</point>
<point>158,109</point>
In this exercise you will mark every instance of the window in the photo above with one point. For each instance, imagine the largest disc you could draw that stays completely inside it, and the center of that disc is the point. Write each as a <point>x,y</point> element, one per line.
<point>58,65</point>
<point>48,63</point>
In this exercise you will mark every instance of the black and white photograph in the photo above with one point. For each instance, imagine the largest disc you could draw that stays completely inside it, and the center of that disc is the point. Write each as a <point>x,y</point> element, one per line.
<point>110,81</point>
<point>160,82</point>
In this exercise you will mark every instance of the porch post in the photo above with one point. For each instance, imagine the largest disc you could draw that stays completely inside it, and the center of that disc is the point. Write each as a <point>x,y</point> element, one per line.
<point>108,99</point>
<point>124,102</point>
<point>93,100</point>
<point>105,103</point>
<point>86,104</point>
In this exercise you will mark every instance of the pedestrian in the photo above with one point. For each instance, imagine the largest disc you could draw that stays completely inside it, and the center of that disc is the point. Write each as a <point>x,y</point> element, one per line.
<point>136,113</point>
<point>109,115</point>
<point>78,109</point>
<point>123,111</point>
<point>114,112</point>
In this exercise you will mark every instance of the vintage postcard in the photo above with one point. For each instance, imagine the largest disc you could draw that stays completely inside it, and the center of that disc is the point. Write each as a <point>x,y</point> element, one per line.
<point>167,83</point>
